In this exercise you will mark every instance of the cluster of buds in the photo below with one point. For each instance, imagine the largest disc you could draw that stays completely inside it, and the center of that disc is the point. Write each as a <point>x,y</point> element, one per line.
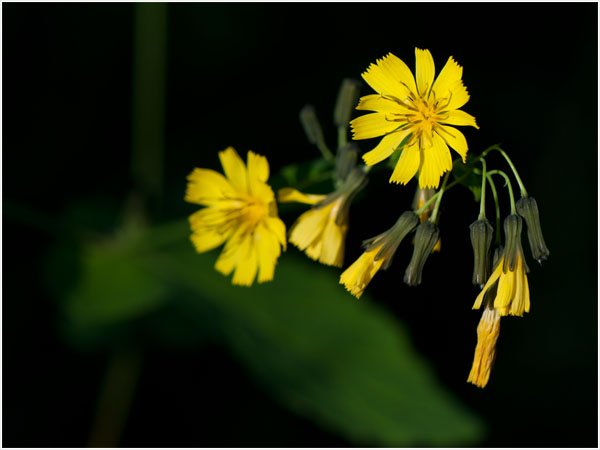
<point>505,289</point>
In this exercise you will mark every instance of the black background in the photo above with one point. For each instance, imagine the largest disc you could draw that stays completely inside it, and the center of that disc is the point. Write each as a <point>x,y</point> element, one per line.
<point>237,74</point>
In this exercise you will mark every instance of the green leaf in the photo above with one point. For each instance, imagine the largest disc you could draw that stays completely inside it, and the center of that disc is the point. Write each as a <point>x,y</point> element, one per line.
<point>111,290</point>
<point>466,175</point>
<point>303,175</point>
<point>343,363</point>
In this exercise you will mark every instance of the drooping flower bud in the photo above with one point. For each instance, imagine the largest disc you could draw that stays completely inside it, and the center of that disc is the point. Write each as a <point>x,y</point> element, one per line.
<point>528,209</point>
<point>513,225</point>
<point>377,255</point>
<point>481,239</point>
<point>390,239</point>
<point>426,237</point>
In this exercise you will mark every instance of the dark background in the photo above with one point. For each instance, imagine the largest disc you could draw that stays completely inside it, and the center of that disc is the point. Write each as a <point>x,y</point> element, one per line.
<point>237,74</point>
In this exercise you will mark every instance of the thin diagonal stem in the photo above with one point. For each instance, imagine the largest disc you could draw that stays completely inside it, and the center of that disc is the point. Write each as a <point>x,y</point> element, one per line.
<point>497,203</point>
<point>482,200</point>
<point>436,208</point>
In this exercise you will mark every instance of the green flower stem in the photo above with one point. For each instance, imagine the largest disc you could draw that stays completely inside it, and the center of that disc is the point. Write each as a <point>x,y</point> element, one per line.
<point>148,101</point>
<point>482,200</point>
<point>513,209</point>
<point>435,196</point>
<point>327,154</point>
<point>497,203</point>
<point>510,163</point>
<point>440,193</point>
<point>342,137</point>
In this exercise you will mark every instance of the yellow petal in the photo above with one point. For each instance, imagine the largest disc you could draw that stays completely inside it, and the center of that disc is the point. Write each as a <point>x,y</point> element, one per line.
<point>458,96</point>
<point>209,218</point>
<point>277,227</point>
<point>258,167</point>
<point>493,277</point>
<point>309,227</point>
<point>506,292</point>
<point>356,277</point>
<point>206,187</point>
<point>460,118</point>
<point>455,139</point>
<point>407,165</point>
<point>208,239</point>
<point>228,258</point>
<point>390,76</point>
<point>374,124</point>
<point>385,147</point>
<point>234,169</point>
<point>377,102</point>
<point>332,253</point>
<point>286,195</point>
<point>450,74</point>
<point>268,251</point>
<point>436,161</point>
<point>247,264</point>
<point>425,71</point>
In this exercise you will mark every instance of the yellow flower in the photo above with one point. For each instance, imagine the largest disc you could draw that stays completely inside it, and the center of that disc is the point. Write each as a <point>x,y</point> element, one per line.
<point>512,296</point>
<point>378,254</point>
<point>488,331</point>
<point>321,231</point>
<point>317,231</point>
<point>413,115</point>
<point>241,211</point>
<point>356,277</point>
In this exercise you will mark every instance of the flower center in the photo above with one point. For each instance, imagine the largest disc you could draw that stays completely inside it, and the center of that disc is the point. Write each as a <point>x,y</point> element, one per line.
<point>254,211</point>
<point>425,112</point>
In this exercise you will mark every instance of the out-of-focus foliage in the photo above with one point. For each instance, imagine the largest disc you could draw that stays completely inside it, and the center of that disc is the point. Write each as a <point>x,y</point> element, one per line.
<point>343,363</point>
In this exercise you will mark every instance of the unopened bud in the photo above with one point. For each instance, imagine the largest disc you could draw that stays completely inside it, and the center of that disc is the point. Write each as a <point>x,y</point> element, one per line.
<point>513,225</point>
<point>390,239</point>
<point>481,240</point>
<point>346,101</point>
<point>311,125</point>
<point>425,239</point>
<point>528,209</point>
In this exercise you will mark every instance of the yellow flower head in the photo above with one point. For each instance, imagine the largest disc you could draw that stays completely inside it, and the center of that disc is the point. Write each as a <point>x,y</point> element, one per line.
<point>321,231</point>
<point>356,277</point>
<point>241,211</point>
<point>378,254</point>
<point>413,115</point>
<point>512,296</point>
<point>510,274</point>
<point>488,331</point>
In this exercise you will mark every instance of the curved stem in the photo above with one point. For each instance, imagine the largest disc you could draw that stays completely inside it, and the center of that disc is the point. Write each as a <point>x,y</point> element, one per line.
<point>495,195</point>
<point>510,163</point>
<point>482,200</point>
<point>513,209</point>
<point>434,214</point>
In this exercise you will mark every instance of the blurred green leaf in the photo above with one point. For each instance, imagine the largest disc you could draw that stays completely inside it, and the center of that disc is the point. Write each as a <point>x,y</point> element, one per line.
<point>470,180</point>
<point>341,362</point>
<point>304,174</point>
